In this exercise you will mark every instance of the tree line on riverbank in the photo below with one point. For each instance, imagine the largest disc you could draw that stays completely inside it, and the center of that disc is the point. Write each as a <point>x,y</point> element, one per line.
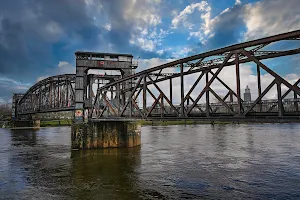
<point>5,112</point>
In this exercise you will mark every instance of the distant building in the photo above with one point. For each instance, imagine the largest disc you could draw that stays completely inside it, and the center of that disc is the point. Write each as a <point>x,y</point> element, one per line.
<point>247,94</point>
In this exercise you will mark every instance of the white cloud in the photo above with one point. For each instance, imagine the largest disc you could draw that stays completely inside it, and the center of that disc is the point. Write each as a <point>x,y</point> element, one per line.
<point>271,17</point>
<point>41,78</point>
<point>9,86</point>
<point>7,82</point>
<point>153,62</point>
<point>181,52</point>
<point>261,19</point>
<point>237,2</point>
<point>146,44</point>
<point>107,27</point>
<point>62,67</point>
<point>160,52</point>
<point>134,18</point>
<point>65,68</point>
<point>146,18</point>
<point>196,18</point>
<point>149,42</point>
<point>182,18</point>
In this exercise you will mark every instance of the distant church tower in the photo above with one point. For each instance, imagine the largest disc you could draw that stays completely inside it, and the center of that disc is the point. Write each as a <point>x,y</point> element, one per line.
<point>247,94</point>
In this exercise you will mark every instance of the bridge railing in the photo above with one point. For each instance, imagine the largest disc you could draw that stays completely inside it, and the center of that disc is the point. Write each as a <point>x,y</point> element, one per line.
<point>264,108</point>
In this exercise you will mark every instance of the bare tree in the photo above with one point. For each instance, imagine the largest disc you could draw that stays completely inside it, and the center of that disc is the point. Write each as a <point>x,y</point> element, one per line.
<point>5,111</point>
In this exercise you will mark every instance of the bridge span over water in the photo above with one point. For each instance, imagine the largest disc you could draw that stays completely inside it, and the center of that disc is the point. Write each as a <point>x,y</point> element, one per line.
<point>106,106</point>
<point>162,92</point>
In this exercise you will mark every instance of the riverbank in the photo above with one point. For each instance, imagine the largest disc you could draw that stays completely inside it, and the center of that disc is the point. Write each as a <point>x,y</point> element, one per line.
<point>150,123</point>
<point>68,122</point>
<point>272,120</point>
<point>179,122</point>
<point>55,123</point>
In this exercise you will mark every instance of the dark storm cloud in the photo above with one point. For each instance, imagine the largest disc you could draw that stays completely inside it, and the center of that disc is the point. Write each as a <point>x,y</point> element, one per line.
<point>29,33</point>
<point>35,35</point>
<point>12,47</point>
<point>30,28</point>
<point>33,31</point>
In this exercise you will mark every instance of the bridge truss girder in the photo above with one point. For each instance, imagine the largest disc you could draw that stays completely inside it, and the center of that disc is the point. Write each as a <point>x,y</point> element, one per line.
<point>52,94</point>
<point>208,66</point>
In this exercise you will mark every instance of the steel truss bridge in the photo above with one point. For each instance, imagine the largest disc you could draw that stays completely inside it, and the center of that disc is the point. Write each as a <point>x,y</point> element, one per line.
<point>151,93</point>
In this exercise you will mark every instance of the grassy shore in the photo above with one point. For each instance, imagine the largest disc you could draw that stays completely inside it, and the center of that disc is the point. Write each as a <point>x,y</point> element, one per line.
<point>63,122</point>
<point>179,122</point>
<point>142,122</point>
<point>68,122</point>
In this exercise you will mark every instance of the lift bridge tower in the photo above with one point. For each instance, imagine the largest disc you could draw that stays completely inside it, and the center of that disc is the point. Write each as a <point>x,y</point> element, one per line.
<point>85,81</point>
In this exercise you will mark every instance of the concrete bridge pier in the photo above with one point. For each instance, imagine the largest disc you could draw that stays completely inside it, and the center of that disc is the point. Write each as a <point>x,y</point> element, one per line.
<point>27,123</point>
<point>106,134</point>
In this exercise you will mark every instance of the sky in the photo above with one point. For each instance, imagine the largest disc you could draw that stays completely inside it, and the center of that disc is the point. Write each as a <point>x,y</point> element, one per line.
<point>38,38</point>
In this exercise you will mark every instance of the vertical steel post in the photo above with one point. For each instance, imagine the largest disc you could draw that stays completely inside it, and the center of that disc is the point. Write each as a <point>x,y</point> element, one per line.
<point>259,85</point>
<point>118,97</point>
<point>67,93</point>
<point>296,102</point>
<point>91,89</point>
<point>31,99</point>
<point>130,99</point>
<point>238,82</point>
<point>171,92</point>
<point>145,94</point>
<point>111,93</point>
<point>39,98</point>
<point>50,93</point>
<point>182,90</point>
<point>279,97</point>
<point>162,106</point>
<point>59,92</point>
<point>207,95</point>
<point>85,83</point>
<point>54,94</point>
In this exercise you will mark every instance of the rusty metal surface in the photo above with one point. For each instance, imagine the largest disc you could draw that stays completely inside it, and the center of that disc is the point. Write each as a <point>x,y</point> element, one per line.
<point>52,94</point>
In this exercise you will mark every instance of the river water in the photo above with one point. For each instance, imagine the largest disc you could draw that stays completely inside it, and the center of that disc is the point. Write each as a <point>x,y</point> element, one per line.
<point>260,161</point>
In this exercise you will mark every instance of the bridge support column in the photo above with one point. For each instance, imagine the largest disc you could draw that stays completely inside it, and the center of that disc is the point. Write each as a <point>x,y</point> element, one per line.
<point>106,134</point>
<point>27,123</point>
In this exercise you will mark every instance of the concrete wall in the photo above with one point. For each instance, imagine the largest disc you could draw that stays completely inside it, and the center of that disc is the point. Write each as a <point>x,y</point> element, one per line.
<point>110,134</point>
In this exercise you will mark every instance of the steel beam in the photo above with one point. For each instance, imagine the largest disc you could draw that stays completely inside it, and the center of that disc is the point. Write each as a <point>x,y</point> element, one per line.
<point>182,91</point>
<point>207,95</point>
<point>244,45</point>
<point>279,98</point>
<point>260,97</point>
<point>238,82</point>
<point>209,83</point>
<point>216,66</point>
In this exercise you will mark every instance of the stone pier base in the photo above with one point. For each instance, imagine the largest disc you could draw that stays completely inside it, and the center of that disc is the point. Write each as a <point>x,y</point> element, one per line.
<point>106,134</point>
<point>26,124</point>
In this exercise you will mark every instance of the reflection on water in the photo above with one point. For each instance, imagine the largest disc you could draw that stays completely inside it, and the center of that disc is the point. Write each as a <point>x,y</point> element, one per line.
<point>174,162</point>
